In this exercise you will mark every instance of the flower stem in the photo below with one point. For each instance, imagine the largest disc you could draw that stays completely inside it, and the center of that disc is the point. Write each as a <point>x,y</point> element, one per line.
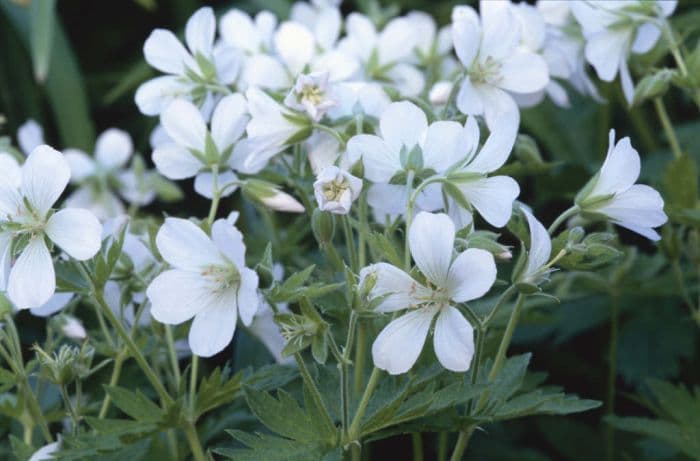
<point>678,56</point>
<point>507,336</point>
<point>194,371</point>
<point>172,353</point>
<point>193,439</point>
<point>315,393</point>
<point>417,443</point>
<point>409,217</point>
<point>113,380</point>
<point>501,301</point>
<point>462,442</point>
<point>354,432</point>
<point>124,335</point>
<point>612,374</point>
<point>442,446</point>
<point>360,356</point>
<point>216,196</point>
<point>332,132</point>
<point>350,243</point>
<point>668,128</point>
<point>563,217</point>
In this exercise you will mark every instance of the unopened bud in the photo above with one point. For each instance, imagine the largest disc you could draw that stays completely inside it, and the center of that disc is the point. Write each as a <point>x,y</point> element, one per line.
<point>271,196</point>
<point>323,226</point>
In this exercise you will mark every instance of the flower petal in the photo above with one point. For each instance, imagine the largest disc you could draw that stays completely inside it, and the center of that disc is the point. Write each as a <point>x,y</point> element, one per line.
<point>620,169</point>
<point>441,145</point>
<point>200,30</point>
<point>453,340</point>
<point>466,34</point>
<point>431,239</point>
<point>492,197</point>
<point>185,246</point>
<point>605,50</point>
<point>399,344</point>
<point>402,124</point>
<point>154,95</point>
<point>295,45</point>
<point>229,120</point>
<point>176,296</point>
<point>165,52</point>
<point>471,276</point>
<point>229,241</point>
<point>639,208</point>
<point>29,136</point>
<point>398,289</point>
<point>76,231</point>
<point>56,303</point>
<point>248,299</point>
<point>5,258</point>
<point>469,99</point>
<point>524,72</point>
<point>45,175</point>
<point>212,329</point>
<point>81,165</point>
<point>540,244</point>
<point>204,183</point>
<point>32,279</point>
<point>175,162</point>
<point>381,161</point>
<point>497,147</point>
<point>184,124</point>
<point>113,148</point>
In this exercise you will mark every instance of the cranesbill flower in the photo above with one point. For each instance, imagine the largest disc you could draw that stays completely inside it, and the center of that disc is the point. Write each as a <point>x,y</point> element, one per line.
<point>538,253</point>
<point>615,29</point>
<point>195,149</point>
<point>448,281</point>
<point>208,282</point>
<point>612,192</point>
<point>496,65</point>
<point>191,71</point>
<point>336,189</point>
<point>97,177</point>
<point>27,222</point>
<point>384,56</point>
<point>311,94</point>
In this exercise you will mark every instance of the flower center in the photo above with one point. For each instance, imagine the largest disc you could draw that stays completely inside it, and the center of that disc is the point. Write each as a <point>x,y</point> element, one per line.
<point>223,276</point>
<point>311,94</point>
<point>334,190</point>
<point>488,71</point>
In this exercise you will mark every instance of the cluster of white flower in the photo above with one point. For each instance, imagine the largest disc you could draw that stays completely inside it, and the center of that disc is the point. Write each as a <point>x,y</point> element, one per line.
<point>393,112</point>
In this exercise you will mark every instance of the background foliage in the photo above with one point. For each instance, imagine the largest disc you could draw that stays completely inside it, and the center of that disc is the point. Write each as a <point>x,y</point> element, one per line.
<point>75,70</point>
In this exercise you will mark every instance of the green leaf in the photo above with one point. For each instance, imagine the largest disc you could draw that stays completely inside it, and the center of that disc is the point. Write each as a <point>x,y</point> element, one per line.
<point>681,182</point>
<point>684,438</point>
<point>283,415</point>
<point>653,85</point>
<point>271,448</point>
<point>217,389</point>
<point>21,450</point>
<point>42,23</point>
<point>134,404</point>
<point>383,249</point>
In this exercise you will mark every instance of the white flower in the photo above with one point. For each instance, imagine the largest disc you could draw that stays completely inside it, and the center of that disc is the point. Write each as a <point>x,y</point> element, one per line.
<point>72,328</point>
<point>450,281</point>
<point>46,452</point>
<point>386,55</point>
<point>336,189</point>
<point>208,281</point>
<point>27,195</point>
<point>272,127</point>
<point>98,176</point>
<point>614,29</point>
<point>195,149</point>
<point>188,70</point>
<point>539,251</point>
<point>495,64</point>
<point>272,197</point>
<point>613,192</point>
<point>56,303</point>
<point>29,136</point>
<point>311,94</point>
<point>444,147</point>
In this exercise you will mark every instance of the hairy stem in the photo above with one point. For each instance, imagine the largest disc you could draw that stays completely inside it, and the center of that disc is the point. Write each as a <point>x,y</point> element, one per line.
<point>668,128</point>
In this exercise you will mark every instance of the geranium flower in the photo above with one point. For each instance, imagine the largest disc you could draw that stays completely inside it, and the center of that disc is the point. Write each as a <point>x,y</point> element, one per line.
<point>336,189</point>
<point>615,29</point>
<point>189,70</point>
<point>208,282</point>
<point>612,192</point>
<point>194,149</point>
<point>27,221</point>
<point>449,281</point>
<point>97,177</point>
<point>495,64</point>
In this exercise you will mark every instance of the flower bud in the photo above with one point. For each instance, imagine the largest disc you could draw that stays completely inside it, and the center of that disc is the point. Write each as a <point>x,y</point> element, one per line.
<point>269,195</point>
<point>323,226</point>
<point>440,93</point>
